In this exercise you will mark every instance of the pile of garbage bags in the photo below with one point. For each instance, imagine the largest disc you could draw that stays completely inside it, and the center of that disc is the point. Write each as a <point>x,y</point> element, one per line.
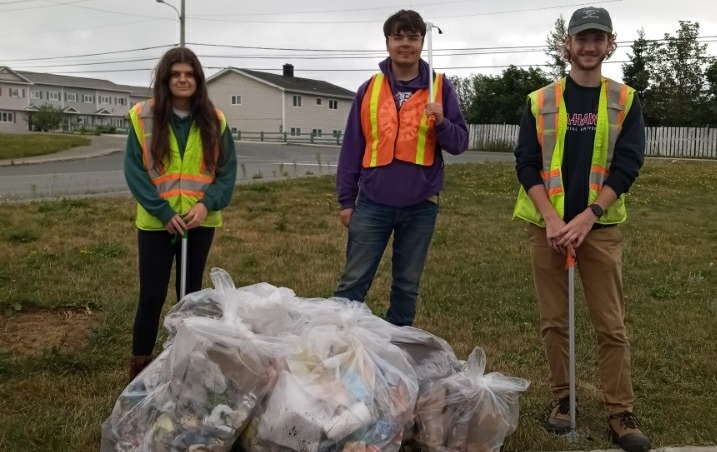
<point>258,369</point>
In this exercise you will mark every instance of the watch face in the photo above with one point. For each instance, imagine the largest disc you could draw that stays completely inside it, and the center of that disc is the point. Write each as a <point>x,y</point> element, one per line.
<point>597,210</point>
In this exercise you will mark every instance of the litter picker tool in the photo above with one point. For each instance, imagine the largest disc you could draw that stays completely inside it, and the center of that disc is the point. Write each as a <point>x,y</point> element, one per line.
<point>429,34</point>
<point>572,436</point>
<point>183,267</point>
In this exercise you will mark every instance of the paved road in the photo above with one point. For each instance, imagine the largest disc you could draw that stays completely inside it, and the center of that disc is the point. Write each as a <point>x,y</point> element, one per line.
<point>97,169</point>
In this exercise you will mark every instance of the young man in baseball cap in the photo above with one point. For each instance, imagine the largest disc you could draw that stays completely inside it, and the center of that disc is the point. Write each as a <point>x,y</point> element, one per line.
<point>580,148</point>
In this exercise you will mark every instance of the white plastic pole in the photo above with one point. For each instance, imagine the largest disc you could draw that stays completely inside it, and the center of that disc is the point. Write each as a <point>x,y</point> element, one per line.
<point>573,435</point>
<point>183,270</point>
<point>429,36</point>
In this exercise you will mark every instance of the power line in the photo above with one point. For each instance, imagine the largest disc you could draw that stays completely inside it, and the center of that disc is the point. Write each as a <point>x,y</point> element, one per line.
<point>92,54</point>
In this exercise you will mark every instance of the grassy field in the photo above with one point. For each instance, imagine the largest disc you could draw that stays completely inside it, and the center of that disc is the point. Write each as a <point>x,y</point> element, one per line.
<point>16,145</point>
<point>68,289</point>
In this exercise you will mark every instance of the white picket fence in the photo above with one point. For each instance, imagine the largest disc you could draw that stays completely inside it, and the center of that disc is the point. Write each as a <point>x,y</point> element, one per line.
<point>678,142</point>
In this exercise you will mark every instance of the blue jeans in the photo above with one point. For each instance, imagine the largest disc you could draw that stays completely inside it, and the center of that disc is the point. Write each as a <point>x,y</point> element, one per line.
<point>370,228</point>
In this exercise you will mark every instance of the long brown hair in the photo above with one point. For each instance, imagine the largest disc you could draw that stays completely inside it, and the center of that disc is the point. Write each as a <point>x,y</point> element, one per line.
<point>202,109</point>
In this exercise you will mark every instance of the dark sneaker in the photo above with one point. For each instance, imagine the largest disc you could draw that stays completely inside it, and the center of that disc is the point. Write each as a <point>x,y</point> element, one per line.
<point>626,434</point>
<point>558,421</point>
<point>137,365</point>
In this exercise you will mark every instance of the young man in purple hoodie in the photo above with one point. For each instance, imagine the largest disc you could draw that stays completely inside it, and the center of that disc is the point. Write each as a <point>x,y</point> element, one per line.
<point>390,169</point>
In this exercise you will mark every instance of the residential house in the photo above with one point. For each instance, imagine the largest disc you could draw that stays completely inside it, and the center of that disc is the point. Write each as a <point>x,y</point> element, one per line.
<point>86,102</point>
<point>255,101</point>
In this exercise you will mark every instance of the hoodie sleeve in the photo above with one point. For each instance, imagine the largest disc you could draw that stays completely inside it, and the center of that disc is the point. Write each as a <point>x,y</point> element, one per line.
<point>452,133</point>
<point>348,171</point>
<point>219,193</point>
<point>528,158</point>
<point>629,154</point>
<point>139,182</point>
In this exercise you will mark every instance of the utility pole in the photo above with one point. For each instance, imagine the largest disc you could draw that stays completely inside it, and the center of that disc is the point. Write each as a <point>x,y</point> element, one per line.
<point>181,15</point>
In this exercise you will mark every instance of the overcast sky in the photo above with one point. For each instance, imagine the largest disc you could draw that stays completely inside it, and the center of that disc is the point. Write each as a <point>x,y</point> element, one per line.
<point>333,40</point>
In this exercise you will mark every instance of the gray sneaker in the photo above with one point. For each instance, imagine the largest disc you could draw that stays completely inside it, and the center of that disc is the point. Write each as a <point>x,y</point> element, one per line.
<point>558,421</point>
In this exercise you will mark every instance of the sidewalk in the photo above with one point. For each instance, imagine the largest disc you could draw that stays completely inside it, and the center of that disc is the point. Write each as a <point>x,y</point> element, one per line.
<point>100,145</point>
<point>670,449</point>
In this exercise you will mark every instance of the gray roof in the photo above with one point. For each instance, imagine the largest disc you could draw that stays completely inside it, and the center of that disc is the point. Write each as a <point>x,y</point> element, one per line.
<point>138,91</point>
<point>298,84</point>
<point>41,78</point>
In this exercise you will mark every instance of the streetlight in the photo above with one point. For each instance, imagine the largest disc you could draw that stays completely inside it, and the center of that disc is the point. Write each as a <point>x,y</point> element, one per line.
<point>180,14</point>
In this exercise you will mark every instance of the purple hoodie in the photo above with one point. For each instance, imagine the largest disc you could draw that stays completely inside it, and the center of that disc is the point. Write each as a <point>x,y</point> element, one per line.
<point>398,184</point>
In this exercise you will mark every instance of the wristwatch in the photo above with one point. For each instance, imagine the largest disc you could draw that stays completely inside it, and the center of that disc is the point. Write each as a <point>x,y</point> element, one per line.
<point>596,209</point>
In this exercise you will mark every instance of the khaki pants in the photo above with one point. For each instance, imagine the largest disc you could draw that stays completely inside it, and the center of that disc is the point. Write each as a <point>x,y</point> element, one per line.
<point>599,262</point>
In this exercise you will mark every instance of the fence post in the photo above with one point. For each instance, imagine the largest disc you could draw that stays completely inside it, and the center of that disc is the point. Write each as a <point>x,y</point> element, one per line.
<point>311,137</point>
<point>261,136</point>
<point>338,137</point>
<point>285,137</point>
<point>238,134</point>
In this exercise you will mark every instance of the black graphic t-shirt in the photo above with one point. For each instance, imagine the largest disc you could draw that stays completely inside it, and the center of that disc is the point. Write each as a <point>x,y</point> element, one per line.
<point>402,93</point>
<point>581,104</point>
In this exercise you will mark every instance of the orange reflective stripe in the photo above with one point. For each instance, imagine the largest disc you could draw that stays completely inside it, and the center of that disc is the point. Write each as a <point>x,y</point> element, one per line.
<point>596,187</point>
<point>599,169</point>
<point>549,174</point>
<point>181,192</point>
<point>623,100</point>
<point>555,191</point>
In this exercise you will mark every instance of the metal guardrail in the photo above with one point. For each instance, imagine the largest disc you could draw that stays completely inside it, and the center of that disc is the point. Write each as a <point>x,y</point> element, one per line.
<point>286,137</point>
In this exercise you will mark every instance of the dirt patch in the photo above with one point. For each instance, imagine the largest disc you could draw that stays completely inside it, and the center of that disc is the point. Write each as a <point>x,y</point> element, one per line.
<point>28,333</point>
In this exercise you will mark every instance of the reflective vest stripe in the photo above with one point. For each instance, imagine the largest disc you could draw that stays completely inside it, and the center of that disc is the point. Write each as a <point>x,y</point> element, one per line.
<point>423,131</point>
<point>374,116</point>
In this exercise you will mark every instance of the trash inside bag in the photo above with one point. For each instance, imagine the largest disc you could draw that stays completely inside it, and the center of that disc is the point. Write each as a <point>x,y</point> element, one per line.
<point>469,411</point>
<point>257,368</point>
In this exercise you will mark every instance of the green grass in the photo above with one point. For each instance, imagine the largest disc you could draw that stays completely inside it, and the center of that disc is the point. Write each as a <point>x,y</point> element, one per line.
<point>14,146</point>
<point>476,290</point>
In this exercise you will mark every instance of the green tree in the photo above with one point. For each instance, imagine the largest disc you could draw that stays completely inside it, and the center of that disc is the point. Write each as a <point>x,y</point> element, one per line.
<point>501,99</point>
<point>46,118</point>
<point>711,98</point>
<point>677,70</point>
<point>465,90</point>
<point>557,64</point>
<point>635,72</point>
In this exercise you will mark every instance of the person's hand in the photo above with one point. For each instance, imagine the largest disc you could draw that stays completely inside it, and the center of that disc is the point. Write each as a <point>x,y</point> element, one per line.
<point>435,109</point>
<point>196,215</point>
<point>345,216</point>
<point>574,233</point>
<point>553,235</point>
<point>176,225</point>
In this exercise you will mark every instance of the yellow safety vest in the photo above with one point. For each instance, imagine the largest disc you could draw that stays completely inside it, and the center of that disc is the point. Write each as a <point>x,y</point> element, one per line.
<point>182,181</point>
<point>548,108</point>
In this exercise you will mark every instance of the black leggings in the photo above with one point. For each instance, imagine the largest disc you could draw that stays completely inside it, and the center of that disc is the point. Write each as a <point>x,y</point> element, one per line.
<point>157,250</point>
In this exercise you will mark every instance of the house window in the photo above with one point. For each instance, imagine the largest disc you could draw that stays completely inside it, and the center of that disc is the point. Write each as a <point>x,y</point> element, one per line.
<point>336,133</point>
<point>317,132</point>
<point>333,104</point>
<point>88,98</point>
<point>236,100</point>
<point>53,95</point>
<point>71,97</point>
<point>17,92</point>
<point>295,131</point>
<point>318,101</point>
<point>297,101</point>
<point>105,99</point>
<point>121,100</point>
<point>36,94</point>
<point>7,116</point>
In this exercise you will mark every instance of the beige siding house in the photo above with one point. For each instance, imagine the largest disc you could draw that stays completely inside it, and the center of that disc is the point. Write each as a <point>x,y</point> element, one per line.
<point>254,101</point>
<point>14,100</point>
<point>86,102</point>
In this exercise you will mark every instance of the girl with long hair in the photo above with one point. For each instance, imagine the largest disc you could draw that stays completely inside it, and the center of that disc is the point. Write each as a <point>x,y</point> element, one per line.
<point>180,165</point>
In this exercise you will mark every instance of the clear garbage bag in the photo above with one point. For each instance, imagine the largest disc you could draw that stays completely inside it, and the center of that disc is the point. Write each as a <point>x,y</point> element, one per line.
<point>469,411</point>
